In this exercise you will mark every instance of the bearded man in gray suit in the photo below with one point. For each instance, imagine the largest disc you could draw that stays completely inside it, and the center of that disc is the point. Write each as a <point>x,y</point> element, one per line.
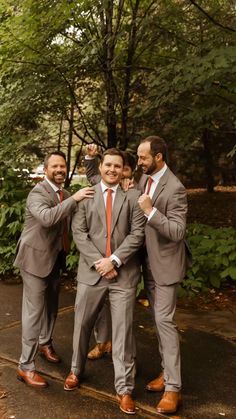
<point>108,265</point>
<point>164,203</point>
<point>40,255</point>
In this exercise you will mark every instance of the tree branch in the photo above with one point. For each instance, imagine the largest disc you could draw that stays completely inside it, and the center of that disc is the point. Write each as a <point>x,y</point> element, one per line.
<point>227,28</point>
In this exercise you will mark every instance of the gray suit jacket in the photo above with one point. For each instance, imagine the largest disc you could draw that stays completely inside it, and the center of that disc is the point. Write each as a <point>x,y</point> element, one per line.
<point>92,171</point>
<point>41,238</point>
<point>89,233</point>
<point>165,232</point>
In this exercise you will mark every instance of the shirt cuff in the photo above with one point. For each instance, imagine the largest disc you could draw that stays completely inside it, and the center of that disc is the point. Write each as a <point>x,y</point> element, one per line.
<point>114,257</point>
<point>87,157</point>
<point>151,214</point>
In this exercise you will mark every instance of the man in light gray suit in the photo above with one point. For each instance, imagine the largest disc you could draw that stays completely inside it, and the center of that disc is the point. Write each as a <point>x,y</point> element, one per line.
<point>164,203</point>
<point>108,265</point>
<point>40,255</point>
<point>102,328</point>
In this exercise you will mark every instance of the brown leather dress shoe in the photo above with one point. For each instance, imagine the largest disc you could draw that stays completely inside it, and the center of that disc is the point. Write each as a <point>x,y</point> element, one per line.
<point>49,354</point>
<point>170,402</point>
<point>32,378</point>
<point>100,350</point>
<point>157,384</point>
<point>72,382</point>
<point>126,404</point>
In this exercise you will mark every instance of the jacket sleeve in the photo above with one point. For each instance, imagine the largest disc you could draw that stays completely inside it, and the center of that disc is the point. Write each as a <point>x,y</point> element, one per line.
<point>41,208</point>
<point>172,225</point>
<point>134,240</point>
<point>92,173</point>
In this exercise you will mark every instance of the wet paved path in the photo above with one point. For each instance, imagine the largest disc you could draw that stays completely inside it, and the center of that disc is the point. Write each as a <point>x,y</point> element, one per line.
<point>208,364</point>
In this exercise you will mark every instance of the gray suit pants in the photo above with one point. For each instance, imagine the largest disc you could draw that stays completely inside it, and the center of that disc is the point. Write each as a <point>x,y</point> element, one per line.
<point>39,312</point>
<point>89,301</point>
<point>102,328</point>
<point>163,304</point>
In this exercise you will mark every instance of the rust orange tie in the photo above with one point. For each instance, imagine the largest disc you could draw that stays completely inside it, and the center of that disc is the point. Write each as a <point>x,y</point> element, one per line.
<point>149,184</point>
<point>65,236</point>
<point>108,221</point>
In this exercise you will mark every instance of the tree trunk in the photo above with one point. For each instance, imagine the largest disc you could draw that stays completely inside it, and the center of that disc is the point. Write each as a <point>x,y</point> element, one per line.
<point>69,144</point>
<point>127,81</point>
<point>208,161</point>
<point>108,56</point>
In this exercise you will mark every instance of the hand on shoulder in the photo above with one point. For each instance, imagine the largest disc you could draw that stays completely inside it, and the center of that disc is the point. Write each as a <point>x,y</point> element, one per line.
<point>87,192</point>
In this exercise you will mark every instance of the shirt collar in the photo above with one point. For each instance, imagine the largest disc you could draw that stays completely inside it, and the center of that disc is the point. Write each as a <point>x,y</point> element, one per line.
<point>54,187</point>
<point>105,187</point>
<point>157,176</point>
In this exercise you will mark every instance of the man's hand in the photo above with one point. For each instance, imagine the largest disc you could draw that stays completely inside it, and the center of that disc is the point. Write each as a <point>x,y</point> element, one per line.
<point>87,192</point>
<point>92,150</point>
<point>112,274</point>
<point>145,203</point>
<point>105,268</point>
<point>126,184</point>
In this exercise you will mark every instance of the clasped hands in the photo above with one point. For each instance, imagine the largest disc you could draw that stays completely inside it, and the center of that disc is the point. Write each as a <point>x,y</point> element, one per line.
<point>105,268</point>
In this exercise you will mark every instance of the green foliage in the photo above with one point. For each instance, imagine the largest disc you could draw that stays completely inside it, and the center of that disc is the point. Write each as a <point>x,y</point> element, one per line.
<point>72,259</point>
<point>214,258</point>
<point>14,189</point>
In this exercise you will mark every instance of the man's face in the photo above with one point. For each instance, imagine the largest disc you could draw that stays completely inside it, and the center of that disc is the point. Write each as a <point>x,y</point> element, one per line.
<point>111,170</point>
<point>127,172</point>
<point>56,170</point>
<point>146,161</point>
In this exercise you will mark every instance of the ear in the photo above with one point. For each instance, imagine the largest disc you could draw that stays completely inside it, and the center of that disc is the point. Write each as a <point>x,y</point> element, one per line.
<point>158,157</point>
<point>99,167</point>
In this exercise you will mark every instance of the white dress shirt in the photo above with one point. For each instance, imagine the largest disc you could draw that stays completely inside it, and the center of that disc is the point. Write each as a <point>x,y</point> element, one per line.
<point>156,179</point>
<point>54,187</point>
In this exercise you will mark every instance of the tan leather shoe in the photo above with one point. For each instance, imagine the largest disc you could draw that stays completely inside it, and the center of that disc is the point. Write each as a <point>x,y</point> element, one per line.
<point>72,382</point>
<point>157,384</point>
<point>170,402</point>
<point>49,354</point>
<point>100,350</point>
<point>126,404</point>
<point>31,378</point>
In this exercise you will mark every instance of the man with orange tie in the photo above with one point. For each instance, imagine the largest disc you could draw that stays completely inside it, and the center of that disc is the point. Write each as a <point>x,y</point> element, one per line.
<point>108,232</point>
<point>164,203</point>
<point>41,253</point>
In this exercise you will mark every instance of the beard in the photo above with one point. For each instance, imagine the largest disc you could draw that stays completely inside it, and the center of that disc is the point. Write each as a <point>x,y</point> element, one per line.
<point>148,170</point>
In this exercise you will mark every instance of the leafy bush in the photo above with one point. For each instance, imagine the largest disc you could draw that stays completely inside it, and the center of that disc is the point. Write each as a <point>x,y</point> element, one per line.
<point>14,189</point>
<point>214,258</point>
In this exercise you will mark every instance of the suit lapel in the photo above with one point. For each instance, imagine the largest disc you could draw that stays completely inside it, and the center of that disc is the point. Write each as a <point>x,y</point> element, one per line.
<point>161,185</point>
<point>99,204</point>
<point>50,191</point>
<point>117,205</point>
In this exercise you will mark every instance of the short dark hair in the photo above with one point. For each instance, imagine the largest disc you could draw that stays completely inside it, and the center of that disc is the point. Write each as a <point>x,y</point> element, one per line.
<point>53,153</point>
<point>130,160</point>
<point>113,152</point>
<point>157,145</point>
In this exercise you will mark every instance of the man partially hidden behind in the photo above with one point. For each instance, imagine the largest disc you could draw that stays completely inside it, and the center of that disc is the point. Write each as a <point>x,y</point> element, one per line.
<point>108,232</point>
<point>40,255</point>
<point>164,203</point>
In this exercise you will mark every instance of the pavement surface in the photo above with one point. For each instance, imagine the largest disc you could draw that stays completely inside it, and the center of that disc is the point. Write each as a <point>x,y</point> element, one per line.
<point>208,349</point>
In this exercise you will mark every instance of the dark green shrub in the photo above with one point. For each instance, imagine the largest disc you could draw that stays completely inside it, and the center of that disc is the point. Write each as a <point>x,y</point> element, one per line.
<point>214,258</point>
<point>14,188</point>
